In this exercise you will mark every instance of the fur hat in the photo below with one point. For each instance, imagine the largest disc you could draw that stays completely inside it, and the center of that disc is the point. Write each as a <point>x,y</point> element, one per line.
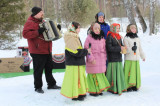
<point>35,10</point>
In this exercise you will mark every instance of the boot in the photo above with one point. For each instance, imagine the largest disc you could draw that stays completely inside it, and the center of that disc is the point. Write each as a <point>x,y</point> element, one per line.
<point>39,90</point>
<point>81,98</point>
<point>134,89</point>
<point>129,89</point>
<point>54,87</point>
<point>94,94</point>
<point>101,93</point>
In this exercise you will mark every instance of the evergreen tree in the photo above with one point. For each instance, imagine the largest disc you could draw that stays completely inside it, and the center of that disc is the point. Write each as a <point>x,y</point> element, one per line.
<point>82,11</point>
<point>49,9</point>
<point>11,16</point>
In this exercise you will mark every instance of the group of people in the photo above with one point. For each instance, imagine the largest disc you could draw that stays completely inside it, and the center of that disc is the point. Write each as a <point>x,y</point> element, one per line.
<point>103,49</point>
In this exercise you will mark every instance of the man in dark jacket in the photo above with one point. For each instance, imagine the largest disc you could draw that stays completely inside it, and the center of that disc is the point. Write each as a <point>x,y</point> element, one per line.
<point>40,50</point>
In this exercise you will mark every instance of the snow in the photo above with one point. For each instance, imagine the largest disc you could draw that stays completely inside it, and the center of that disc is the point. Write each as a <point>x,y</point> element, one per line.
<point>19,91</point>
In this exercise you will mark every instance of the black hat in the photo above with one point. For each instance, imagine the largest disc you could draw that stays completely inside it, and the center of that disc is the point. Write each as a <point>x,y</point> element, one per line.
<point>35,10</point>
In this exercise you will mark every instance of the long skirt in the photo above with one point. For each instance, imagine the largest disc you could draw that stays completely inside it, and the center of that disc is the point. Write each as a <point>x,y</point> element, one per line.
<point>132,74</point>
<point>115,77</point>
<point>97,83</point>
<point>74,82</point>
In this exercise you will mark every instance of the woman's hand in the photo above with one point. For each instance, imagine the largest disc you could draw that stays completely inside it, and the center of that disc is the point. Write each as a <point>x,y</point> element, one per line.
<point>94,62</point>
<point>122,47</point>
<point>89,51</point>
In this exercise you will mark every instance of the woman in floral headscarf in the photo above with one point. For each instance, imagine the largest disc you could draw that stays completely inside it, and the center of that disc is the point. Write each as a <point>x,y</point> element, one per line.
<point>74,84</point>
<point>115,73</point>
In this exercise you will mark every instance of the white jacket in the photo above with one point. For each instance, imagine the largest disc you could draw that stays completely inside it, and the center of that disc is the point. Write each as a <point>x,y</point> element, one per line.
<point>129,42</point>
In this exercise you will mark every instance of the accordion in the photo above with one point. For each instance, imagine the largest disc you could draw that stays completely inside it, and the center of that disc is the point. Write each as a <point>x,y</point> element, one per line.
<point>51,33</point>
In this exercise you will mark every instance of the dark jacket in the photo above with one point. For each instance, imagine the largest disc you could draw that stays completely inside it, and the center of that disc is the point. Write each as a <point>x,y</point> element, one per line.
<point>75,59</point>
<point>113,49</point>
<point>36,45</point>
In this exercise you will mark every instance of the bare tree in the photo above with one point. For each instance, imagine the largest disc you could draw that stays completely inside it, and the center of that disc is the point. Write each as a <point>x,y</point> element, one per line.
<point>129,11</point>
<point>152,17</point>
<point>140,17</point>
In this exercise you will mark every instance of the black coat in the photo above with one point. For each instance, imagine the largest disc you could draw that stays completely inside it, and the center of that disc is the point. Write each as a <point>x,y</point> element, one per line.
<point>75,59</point>
<point>113,49</point>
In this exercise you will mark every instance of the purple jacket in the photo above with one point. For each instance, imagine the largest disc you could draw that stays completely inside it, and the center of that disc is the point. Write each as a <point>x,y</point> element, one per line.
<point>98,53</point>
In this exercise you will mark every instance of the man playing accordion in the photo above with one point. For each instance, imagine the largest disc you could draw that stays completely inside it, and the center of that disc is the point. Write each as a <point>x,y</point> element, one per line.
<point>40,50</point>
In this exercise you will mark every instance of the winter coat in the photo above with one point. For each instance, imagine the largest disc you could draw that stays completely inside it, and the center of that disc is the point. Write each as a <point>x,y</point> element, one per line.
<point>98,53</point>
<point>35,40</point>
<point>129,42</point>
<point>113,49</point>
<point>74,53</point>
<point>105,28</point>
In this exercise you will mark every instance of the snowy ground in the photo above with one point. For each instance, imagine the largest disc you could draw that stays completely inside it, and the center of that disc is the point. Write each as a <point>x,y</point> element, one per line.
<point>19,91</point>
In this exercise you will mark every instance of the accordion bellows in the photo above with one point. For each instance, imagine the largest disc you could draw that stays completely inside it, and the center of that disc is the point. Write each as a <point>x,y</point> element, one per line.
<point>51,33</point>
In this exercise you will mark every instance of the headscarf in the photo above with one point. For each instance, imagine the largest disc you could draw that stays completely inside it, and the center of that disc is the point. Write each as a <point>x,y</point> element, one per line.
<point>71,39</point>
<point>71,28</point>
<point>96,36</point>
<point>113,31</point>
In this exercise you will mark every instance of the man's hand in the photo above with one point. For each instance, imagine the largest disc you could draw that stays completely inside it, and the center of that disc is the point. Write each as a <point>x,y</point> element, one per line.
<point>59,27</point>
<point>41,30</point>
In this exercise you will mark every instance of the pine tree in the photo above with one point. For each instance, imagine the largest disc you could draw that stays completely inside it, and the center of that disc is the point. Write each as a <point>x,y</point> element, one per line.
<point>11,16</point>
<point>82,11</point>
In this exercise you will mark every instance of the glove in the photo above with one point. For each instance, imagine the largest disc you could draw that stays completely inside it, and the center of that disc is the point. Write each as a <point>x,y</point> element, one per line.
<point>134,48</point>
<point>59,27</point>
<point>41,30</point>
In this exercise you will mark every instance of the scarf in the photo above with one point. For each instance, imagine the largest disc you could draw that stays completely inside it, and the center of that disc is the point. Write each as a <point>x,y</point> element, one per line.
<point>72,42</point>
<point>114,35</point>
<point>132,35</point>
<point>97,36</point>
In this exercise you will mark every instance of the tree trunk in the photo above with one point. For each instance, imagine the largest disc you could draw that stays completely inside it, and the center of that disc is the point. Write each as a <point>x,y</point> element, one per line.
<point>152,17</point>
<point>129,12</point>
<point>100,5</point>
<point>104,6</point>
<point>140,17</point>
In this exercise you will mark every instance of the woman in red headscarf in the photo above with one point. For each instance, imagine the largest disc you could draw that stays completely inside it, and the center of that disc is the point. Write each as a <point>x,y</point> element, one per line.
<point>114,47</point>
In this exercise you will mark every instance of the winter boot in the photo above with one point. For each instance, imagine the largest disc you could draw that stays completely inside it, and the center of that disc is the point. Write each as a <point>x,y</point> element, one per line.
<point>81,97</point>
<point>94,94</point>
<point>74,99</point>
<point>54,87</point>
<point>101,93</point>
<point>134,89</point>
<point>39,90</point>
<point>129,89</point>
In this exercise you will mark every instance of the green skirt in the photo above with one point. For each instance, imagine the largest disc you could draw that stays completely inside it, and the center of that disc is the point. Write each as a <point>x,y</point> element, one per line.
<point>115,77</point>
<point>74,82</point>
<point>132,74</point>
<point>97,83</point>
